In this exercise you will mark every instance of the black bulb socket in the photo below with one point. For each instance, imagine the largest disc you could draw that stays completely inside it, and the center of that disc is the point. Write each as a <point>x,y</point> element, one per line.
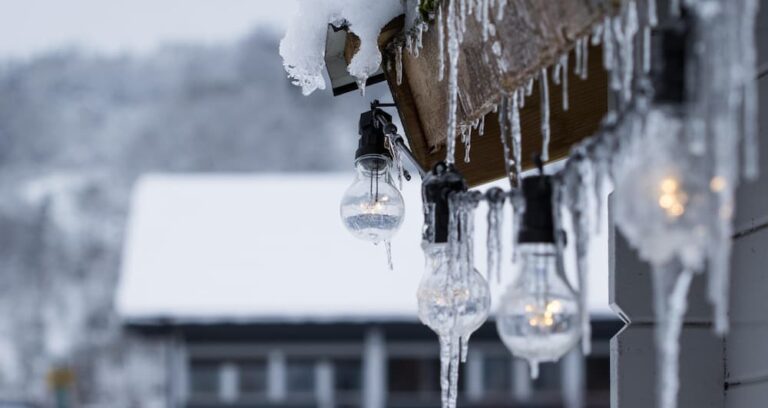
<point>436,190</point>
<point>538,224</point>
<point>670,48</point>
<point>373,140</point>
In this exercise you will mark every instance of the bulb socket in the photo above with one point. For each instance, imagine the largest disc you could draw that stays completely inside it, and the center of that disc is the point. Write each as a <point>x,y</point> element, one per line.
<point>538,224</point>
<point>670,49</point>
<point>436,190</point>
<point>373,139</point>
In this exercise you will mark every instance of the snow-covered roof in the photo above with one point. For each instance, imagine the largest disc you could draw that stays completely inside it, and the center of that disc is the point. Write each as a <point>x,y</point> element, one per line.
<point>270,248</point>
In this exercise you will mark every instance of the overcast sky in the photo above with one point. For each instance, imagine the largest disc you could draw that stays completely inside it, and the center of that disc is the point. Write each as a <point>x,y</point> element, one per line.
<point>30,27</point>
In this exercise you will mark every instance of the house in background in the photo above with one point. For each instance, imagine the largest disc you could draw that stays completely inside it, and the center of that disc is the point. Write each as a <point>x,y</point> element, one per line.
<point>247,291</point>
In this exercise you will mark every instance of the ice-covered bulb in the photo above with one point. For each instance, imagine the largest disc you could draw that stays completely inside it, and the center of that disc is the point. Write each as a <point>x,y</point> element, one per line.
<point>451,303</point>
<point>538,317</point>
<point>372,208</point>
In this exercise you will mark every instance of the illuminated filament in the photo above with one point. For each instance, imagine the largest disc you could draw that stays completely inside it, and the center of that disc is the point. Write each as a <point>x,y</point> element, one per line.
<point>672,199</point>
<point>544,318</point>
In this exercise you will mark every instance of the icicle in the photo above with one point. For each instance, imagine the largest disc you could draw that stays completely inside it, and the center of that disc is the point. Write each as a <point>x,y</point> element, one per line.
<point>415,48</point>
<point>485,21</point>
<point>597,35</point>
<point>464,347</point>
<point>388,247</point>
<point>517,145</point>
<point>544,88</point>
<point>361,84</point>
<point>607,44</point>
<point>453,392</point>
<point>577,63</point>
<point>440,44</point>
<point>646,49</point>
<point>577,205</point>
<point>674,8</point>
<point>520,98</point>
<point>518,207</point>
<point>584,59</point>
<point>564,63</point>
<point>670,294</point>
<point>529,87</point>
<point>749,88</point>
<point>500,9</point>
<point>495,219</point>
<point>503,126</point>
<point>481,126</point>
<point>399,64</point>
<point>556,72</point>
<point>463,16</point>
<point>445,363</point>
<point>453,57</point>
<point>467,138</point>
<point>534,369</point>
<point>653,18</point>
<point>627,49</point>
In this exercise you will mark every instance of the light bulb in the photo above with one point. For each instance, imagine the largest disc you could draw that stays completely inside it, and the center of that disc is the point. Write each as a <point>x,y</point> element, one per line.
<point>451,304</point>
<point>372,209</point>
<point>538,318</point>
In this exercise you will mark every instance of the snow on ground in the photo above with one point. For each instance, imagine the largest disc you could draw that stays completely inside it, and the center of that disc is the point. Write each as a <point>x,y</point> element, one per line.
<point>272,248</point>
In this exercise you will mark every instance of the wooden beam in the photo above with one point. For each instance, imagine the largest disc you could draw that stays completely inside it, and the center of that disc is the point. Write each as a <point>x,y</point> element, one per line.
<point>532,35</point>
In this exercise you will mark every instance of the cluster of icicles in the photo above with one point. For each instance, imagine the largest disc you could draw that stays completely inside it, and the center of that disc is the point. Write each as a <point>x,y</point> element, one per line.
<point>674,169</point>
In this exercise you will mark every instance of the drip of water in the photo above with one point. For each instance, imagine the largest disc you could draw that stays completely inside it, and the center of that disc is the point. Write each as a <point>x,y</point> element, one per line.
<point>388,247</point>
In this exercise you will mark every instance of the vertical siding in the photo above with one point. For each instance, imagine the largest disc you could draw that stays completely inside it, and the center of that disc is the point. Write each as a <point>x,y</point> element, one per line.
<point>746,347</point>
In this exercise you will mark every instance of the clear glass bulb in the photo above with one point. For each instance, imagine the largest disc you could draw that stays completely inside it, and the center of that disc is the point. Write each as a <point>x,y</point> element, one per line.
<point>452,306</point>
<point>538,318</point>
<point>372,208</point>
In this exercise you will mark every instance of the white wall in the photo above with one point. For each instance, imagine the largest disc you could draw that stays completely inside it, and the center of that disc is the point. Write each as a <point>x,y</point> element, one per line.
<point>714,372</point>
<point>746,347</point>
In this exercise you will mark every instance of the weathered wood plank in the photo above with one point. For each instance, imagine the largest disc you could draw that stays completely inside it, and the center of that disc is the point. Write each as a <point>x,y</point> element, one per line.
<point>532,34</point>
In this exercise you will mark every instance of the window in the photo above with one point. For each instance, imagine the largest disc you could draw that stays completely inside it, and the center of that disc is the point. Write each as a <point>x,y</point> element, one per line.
<point>300,376</point>
<point>348,375</point>
<point>497,374</point>
<point>253,377</point>
<point>549,377</point>
<point>204,378</point>
<point>598,373</point>
<point>348,382</point>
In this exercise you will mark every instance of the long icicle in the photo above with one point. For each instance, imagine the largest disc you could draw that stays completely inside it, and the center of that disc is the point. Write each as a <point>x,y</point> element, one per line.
<point>440,44</point>
<point>545,132</point>
<point>453,66</point>
<point>516,138</point>
<point>564,63</point>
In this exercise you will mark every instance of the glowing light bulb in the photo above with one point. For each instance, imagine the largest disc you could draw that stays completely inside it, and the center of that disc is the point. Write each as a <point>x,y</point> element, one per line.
<point>672,198</point>
<point>538,318</point>
<point>450,304</point>
<point>372,209</point>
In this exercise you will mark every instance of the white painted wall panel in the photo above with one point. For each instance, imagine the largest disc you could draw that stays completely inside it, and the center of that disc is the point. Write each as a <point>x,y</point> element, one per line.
<point>746,347</point>
<point>748,396</point>
<point>633,359</point>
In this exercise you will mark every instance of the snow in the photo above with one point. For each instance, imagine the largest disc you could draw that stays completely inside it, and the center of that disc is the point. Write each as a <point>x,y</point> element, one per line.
<point>213,248</point>
<point>303,47</point>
